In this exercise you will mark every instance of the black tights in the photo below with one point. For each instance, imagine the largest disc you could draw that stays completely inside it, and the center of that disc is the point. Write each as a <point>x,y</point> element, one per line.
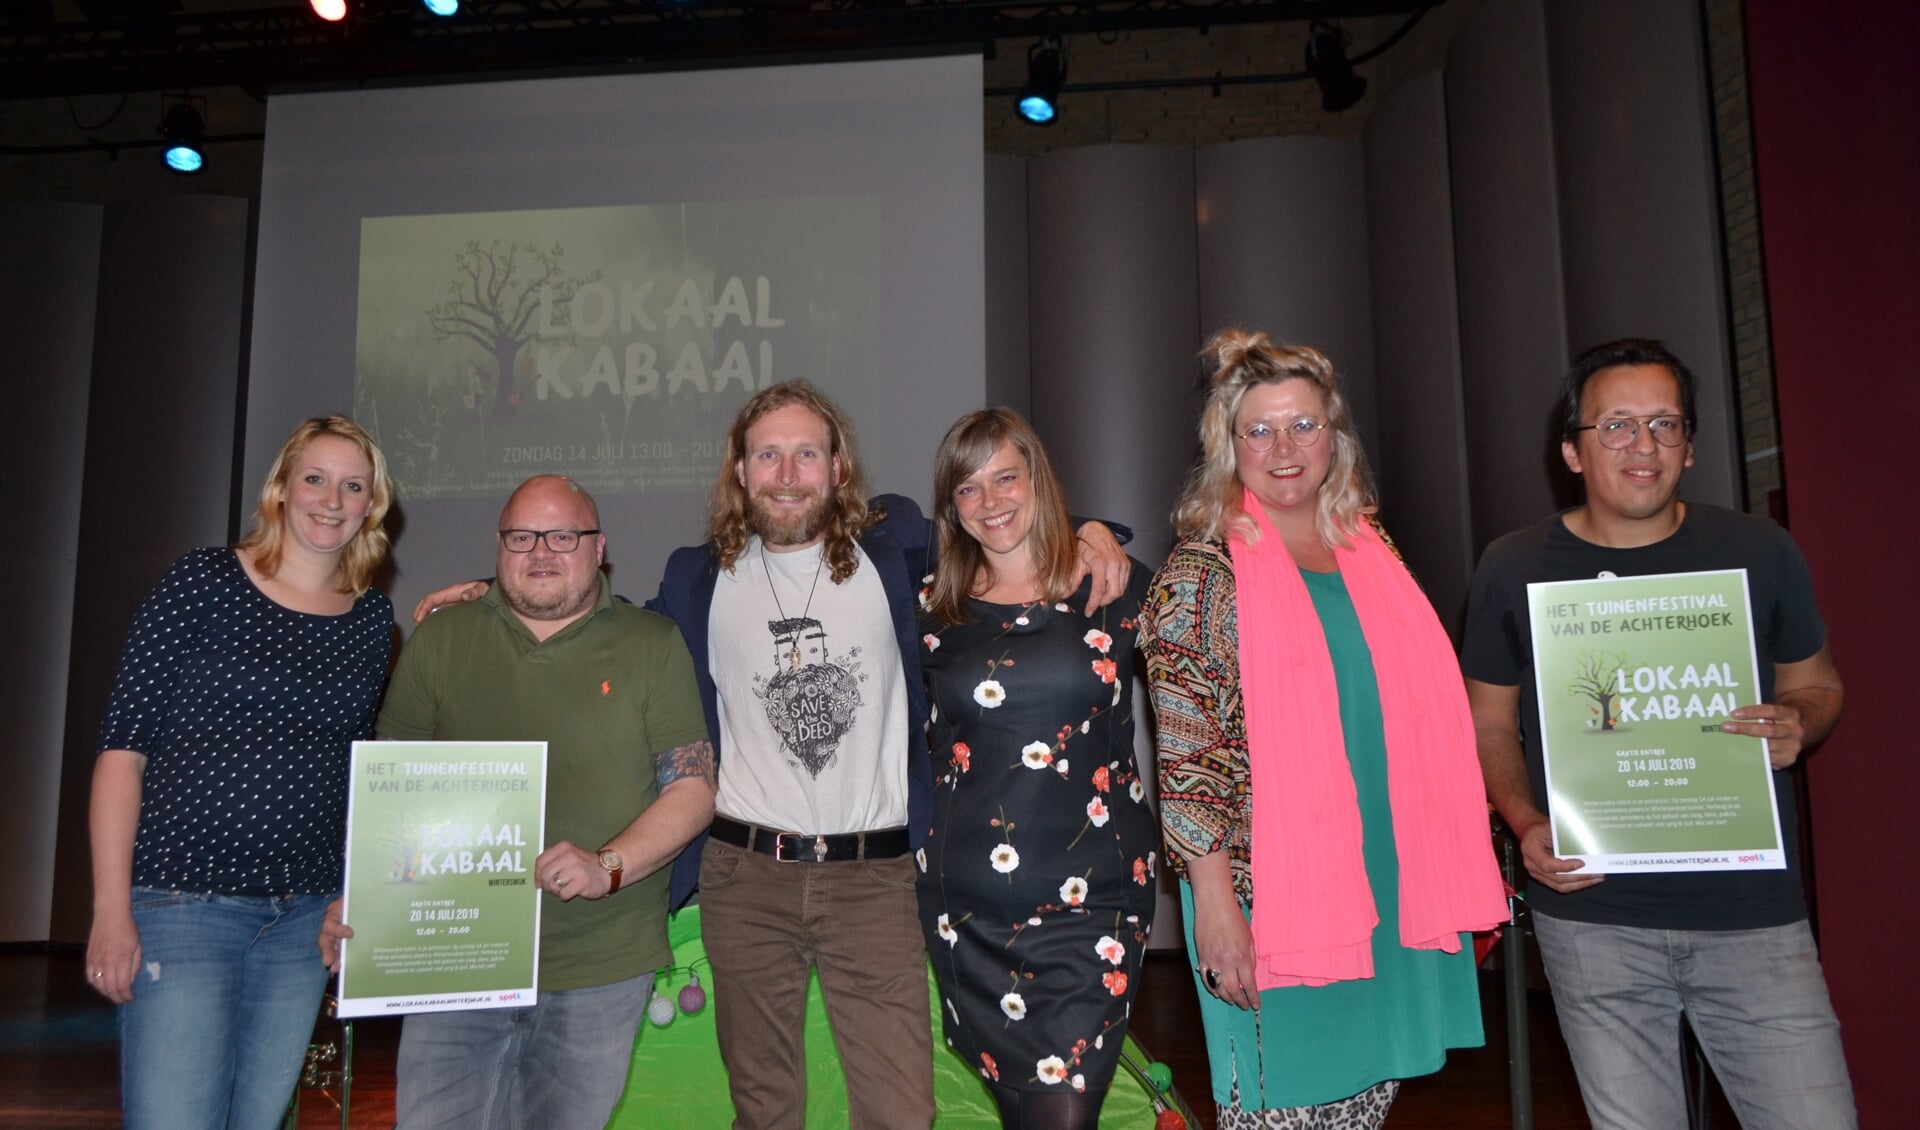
<point>1053,1110</point>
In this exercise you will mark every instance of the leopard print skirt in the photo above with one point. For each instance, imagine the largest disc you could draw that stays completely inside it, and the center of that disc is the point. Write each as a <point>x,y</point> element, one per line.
<point>1364,1111</point>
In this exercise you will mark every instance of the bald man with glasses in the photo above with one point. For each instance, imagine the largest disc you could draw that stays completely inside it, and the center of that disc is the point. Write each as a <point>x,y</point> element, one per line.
<point>549,655</point>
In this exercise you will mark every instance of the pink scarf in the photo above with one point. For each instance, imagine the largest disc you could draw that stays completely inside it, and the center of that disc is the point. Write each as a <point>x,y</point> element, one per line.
<point>1313,911</point>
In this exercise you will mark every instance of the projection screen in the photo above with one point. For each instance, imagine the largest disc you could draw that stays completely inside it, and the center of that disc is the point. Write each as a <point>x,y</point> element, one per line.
<point>591,275</point>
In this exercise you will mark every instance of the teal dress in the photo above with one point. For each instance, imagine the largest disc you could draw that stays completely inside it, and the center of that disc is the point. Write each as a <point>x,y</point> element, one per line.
<point>1310,1046</point>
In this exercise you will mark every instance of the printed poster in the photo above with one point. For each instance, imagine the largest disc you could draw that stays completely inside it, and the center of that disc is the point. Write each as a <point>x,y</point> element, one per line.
<point>1635,676</point>
<point>441,839</point>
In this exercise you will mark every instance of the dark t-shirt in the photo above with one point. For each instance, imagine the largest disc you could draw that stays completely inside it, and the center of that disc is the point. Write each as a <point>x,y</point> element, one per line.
<point>246,712</point>
<point>1787,629</point>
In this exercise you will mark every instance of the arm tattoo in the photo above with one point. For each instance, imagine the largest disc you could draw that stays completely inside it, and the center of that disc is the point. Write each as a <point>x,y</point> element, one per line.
<point>693,760</point>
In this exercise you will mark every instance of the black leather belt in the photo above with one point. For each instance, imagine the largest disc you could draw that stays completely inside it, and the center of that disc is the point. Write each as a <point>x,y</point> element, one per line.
<point>800,847</point>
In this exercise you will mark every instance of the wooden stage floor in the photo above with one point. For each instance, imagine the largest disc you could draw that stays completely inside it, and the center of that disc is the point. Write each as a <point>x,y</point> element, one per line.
<point>58,1058</point>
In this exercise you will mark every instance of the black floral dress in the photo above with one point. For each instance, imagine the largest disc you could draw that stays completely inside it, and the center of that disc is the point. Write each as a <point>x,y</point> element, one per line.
<point>1037,884</point>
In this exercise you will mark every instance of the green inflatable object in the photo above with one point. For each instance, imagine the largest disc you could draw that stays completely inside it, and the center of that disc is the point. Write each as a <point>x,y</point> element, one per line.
<point>676,1081</point>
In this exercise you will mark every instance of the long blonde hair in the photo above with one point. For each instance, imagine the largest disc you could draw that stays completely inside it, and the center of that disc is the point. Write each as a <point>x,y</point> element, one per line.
<point>265,543</point>
<point>847,513</point>
<point>1210,507</point>
<point>972,441</point>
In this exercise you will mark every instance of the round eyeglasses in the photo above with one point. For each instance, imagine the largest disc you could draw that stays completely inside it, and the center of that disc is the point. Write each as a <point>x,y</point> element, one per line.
<point>560,541</point>
<point>1616,432</point>
<point>1260,437</point>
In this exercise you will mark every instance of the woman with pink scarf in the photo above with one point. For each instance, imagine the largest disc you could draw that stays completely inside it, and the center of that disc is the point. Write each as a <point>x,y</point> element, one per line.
<point>1316,752</point>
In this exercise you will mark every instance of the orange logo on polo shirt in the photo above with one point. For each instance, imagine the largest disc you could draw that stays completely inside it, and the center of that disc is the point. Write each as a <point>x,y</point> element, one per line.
<point>606,687</point>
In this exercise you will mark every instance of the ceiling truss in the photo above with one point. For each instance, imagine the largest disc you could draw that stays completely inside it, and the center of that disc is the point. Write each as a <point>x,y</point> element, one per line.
<point>397,41</point>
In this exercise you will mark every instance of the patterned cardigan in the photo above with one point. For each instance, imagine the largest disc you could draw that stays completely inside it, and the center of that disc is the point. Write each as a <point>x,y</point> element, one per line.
<point>1188,630</point>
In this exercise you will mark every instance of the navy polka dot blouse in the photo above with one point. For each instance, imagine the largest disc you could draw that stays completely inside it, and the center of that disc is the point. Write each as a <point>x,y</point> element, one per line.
<point>246,712</point>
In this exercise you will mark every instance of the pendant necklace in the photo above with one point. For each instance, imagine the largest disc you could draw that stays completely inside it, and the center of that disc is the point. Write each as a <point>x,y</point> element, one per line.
<point>793,647</point>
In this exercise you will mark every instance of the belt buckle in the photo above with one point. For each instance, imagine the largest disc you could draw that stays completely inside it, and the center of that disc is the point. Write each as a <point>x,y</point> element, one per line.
<point>797,839</point>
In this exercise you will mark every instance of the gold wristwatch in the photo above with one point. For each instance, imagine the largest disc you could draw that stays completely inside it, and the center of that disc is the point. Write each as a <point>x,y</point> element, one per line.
<point>610,859</point>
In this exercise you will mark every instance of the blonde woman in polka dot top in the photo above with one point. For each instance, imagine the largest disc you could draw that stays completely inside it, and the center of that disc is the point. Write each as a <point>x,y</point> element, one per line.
<point>219,794</point>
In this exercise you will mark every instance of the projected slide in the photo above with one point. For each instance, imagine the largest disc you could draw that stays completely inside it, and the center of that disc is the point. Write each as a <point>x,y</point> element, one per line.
<point>611,344</point>
<point>566,274</point>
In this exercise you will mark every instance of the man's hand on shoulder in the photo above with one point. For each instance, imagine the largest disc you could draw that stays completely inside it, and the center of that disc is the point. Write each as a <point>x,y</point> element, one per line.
<point>1101,556</point>
<point>460,593</point>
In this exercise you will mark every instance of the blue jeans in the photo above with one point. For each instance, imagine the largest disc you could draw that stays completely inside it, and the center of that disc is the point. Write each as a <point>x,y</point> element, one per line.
<point>559,1065</point>
<point>223,1008</point>
<point>1756,1000</point>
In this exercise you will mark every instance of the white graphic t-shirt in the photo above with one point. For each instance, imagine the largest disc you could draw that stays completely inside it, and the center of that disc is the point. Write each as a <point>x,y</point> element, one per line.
<point>813,700</point>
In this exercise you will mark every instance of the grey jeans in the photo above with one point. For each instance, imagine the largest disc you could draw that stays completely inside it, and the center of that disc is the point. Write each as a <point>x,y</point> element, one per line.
<point>560,1065</point>
<point>1756,999</point>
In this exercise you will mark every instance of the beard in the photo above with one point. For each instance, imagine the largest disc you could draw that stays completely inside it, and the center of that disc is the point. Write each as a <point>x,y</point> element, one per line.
<point>553,603</point>
<point>782,528</point>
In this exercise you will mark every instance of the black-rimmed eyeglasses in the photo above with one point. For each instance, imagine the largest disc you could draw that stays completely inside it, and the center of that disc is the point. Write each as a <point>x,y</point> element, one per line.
<point>560,541</point>
<point>1617,432</point>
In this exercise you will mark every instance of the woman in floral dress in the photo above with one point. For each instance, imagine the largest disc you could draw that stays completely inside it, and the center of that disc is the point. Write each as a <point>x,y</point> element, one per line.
<point>1036,886</point>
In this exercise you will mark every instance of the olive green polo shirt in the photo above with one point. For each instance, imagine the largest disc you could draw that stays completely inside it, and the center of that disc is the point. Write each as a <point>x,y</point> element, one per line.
<point>606,693</point>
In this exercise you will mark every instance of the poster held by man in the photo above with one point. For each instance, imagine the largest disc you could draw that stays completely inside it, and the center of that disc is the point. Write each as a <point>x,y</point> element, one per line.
<point>1636,676</point>
<point>441,842</point>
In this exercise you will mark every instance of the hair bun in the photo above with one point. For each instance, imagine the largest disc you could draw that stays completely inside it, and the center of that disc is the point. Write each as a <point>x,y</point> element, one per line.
<point>1228,349</point>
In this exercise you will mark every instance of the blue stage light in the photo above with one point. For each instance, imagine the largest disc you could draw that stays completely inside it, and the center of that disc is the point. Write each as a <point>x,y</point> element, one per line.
<point>1046,73</point>
<point>185,133</point>
<point>1037,110</point>
<point>184,160</point>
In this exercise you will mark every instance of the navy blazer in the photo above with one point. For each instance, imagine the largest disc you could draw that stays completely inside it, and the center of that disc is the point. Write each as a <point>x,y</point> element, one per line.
<point>899,547</point>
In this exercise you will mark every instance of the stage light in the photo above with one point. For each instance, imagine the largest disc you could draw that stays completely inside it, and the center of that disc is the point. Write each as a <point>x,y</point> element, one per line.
<point>185,133</point>
<point>443,7</point>
<point>332,11</point>
<point>1327,61</point>
<point>1046,73</point>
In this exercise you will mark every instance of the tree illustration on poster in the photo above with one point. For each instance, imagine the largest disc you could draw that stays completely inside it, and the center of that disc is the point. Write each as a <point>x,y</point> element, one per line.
<point>492,300</point>
<point>404,837</point>
<point>1597,676</point>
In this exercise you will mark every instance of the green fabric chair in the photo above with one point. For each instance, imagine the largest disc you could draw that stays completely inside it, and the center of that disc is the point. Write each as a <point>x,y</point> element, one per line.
<point>676,1081</point>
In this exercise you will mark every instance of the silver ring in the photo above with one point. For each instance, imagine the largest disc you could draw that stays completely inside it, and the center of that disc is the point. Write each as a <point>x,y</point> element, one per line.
<point>97,974</point>
<point>558,883</point>
<point>1213,978</point>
